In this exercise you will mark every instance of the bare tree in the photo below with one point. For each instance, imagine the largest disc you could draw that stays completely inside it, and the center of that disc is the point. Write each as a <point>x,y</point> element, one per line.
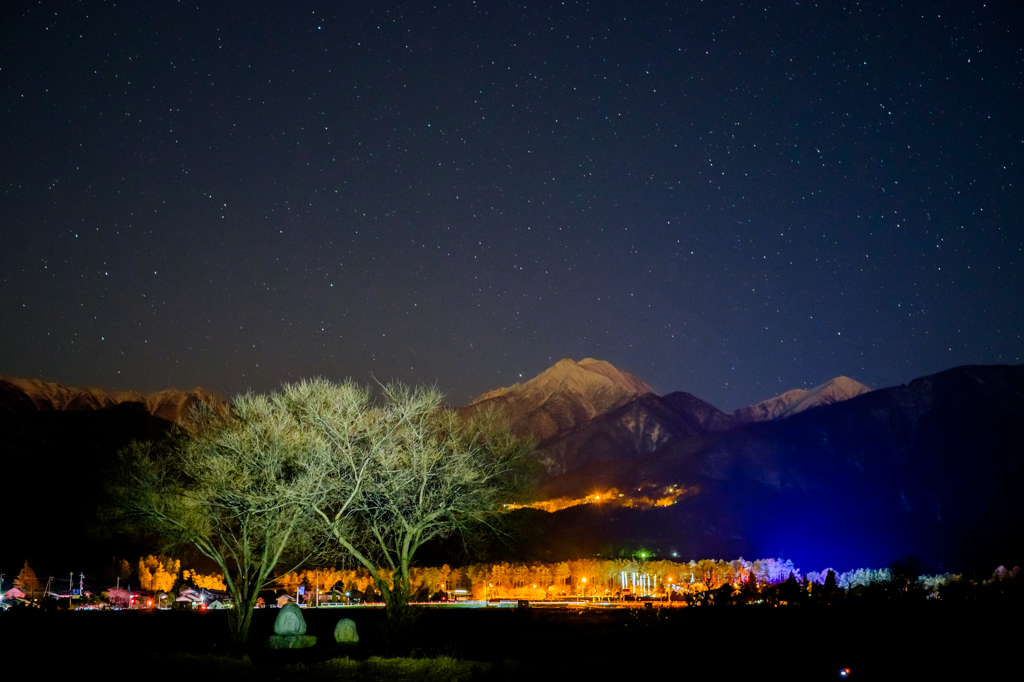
<point>235,485</point>
<point>404,473</point>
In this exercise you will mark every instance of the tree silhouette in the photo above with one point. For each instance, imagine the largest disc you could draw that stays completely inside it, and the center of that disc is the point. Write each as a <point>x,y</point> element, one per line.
<point>27,581</point>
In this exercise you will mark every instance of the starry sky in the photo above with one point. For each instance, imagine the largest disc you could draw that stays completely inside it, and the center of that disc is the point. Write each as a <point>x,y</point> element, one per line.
<point>728,198</point>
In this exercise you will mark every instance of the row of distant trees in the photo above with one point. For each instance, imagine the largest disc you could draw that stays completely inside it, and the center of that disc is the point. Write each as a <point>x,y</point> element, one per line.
<point>705,581</point>
<point>692,580</point>
<point>153,573</point>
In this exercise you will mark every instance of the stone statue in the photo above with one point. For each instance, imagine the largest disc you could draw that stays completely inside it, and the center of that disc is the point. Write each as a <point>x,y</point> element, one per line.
<point>290,630</point>
<point>345,632</point>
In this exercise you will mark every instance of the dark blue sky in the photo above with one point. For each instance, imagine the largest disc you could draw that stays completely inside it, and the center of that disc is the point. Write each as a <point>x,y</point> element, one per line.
<point>731,199</point>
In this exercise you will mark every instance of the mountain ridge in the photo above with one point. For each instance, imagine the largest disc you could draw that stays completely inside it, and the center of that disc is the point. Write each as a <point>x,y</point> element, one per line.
<point>581,390</point>
<point>798,400</point>
<point>561,397</point>
<point>587,412</point>
<point>174,405</point>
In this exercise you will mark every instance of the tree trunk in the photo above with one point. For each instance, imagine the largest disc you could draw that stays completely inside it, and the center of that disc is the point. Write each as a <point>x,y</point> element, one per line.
<point>399,616</point>
<point>240,617</point>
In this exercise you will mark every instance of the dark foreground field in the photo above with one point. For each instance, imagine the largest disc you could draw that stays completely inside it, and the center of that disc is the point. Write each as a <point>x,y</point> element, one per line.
<point>927,641</point>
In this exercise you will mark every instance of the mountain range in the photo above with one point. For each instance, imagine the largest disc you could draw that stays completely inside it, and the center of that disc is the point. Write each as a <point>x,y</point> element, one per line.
<point>837,474</point>
<point>20,396</point>
<point>588,411</point>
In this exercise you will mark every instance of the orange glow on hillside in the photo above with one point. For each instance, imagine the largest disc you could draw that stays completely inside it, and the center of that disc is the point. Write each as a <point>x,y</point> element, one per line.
<point>646,497</point>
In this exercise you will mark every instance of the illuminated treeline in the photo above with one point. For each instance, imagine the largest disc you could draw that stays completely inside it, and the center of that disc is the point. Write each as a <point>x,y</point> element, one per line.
<point>160,574</point>
<point>613,578</point>
<point>598,578</point>
<point>591,578</point>
<point>581,578</point>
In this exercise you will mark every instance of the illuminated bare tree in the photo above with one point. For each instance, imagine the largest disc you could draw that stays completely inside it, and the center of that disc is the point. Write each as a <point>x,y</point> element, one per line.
<point>406,472</point>
<point>234,486</point>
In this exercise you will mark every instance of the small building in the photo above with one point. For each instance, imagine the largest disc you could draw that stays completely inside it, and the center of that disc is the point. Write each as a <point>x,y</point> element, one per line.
<point>196,598</point>
<point>13,593</point>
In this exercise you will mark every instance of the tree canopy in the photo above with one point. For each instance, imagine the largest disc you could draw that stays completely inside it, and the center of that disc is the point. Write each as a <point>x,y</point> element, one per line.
<point>229,486</point>
<point>406,471</point>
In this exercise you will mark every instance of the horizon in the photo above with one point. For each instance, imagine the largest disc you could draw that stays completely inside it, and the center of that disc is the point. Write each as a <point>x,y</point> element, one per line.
<point>519,380</point>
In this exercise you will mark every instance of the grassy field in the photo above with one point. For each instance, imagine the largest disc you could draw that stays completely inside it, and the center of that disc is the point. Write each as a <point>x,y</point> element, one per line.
<point>927,641</point>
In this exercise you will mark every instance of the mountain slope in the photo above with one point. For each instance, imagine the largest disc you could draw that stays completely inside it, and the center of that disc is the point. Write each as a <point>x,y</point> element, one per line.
<point>932,468</point>
<point>562,396</point>
<point>637,428</point>
<point>798,400</point>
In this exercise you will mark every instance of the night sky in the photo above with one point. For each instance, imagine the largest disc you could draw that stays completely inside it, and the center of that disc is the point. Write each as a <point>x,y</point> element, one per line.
<point>727,198</point>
